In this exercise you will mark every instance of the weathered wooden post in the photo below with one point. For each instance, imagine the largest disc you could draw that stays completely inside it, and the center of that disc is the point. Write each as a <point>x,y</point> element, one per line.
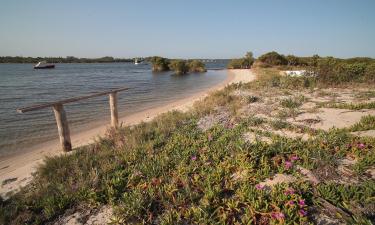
<point>113,107</point>
<point>62,127</point>
<point>60,115</point>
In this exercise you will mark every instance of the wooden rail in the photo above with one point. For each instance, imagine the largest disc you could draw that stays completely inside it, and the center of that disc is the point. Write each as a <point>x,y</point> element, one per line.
<point>60,114</point>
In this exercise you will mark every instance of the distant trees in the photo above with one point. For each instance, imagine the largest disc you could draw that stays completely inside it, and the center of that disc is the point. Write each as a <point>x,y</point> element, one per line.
<point>196,66</point>
<point>242,63</point>
<point>179,66</point>
<point>68,59</point>
<point>160,64</point>
<point>273,59</point>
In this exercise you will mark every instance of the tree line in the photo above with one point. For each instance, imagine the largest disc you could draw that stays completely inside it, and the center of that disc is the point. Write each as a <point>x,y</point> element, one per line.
<point>68,59</point>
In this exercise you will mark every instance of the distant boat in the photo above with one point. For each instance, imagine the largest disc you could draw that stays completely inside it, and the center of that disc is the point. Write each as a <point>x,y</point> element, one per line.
<point>44,65</point>
<point>136,62</point>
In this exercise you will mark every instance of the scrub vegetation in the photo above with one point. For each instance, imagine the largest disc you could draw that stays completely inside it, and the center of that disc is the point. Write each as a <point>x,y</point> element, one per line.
<point>242,63</point>
<point>179,66</point>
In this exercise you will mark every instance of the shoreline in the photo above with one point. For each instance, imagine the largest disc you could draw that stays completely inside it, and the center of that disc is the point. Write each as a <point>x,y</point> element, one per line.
<point>17,169</point>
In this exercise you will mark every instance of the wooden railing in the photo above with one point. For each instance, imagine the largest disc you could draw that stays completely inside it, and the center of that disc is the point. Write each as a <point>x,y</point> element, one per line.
<point>60,114</point>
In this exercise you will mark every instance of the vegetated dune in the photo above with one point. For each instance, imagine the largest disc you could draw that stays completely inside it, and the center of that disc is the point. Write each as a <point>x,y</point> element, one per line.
<point>267,151</point>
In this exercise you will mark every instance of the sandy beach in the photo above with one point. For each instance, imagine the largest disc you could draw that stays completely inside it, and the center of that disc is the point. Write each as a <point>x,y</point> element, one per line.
<point>16,171</point>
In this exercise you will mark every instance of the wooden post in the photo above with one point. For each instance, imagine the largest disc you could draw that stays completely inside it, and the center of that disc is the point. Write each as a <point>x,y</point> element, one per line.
<point>62,126</point>
<point>113,107</point>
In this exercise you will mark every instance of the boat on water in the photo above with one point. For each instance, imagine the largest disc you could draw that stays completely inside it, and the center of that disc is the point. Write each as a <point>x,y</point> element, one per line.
<point>136,62</point>
<point>44,65</point>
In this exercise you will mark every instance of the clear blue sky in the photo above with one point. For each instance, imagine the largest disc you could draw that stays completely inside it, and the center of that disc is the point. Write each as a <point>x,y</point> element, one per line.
<point>186,29</point>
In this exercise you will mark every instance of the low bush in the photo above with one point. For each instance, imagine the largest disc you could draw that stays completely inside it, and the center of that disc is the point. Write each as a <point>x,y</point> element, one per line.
<point>366,123</point>
<point>242,63</point>
<point>196,66</point>
<point>159,64</point>
<point>179,66</point>
<point>273,59</point>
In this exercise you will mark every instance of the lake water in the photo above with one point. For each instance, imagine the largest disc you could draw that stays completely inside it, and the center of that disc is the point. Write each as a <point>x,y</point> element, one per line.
<point>21,85</point>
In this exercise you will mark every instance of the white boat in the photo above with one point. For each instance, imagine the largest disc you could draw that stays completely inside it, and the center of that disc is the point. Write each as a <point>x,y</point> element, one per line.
<point>136,62</point>
<point>44,65</point>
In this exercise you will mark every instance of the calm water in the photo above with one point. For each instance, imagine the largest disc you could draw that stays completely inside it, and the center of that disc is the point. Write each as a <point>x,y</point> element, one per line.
<point>22,86</point>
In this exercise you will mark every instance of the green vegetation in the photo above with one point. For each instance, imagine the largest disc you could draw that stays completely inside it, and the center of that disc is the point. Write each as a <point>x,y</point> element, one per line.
<point>272,59</point>
<point>326,70</point>
<point>159,64</point>
<point>292,102</point>
<point>180,66</point>
<point>366,123</point>
<point>352,106</point>
<point>196,66</point>
<point>242,63</point>
<point>68,59</point>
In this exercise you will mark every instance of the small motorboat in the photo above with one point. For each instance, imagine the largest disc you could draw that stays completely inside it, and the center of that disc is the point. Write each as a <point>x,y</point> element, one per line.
<point>136,62</point>
<point>44,65</point>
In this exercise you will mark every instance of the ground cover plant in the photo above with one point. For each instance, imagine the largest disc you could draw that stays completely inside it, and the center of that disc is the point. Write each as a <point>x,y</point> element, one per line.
<point>171,171</point>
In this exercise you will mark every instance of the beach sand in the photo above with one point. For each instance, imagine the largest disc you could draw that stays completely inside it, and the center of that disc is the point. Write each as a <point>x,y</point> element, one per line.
<point>16,171</point>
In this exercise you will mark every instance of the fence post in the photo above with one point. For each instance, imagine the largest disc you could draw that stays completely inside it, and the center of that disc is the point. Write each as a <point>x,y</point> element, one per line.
<point>62,127</point>
<point>113,107</point>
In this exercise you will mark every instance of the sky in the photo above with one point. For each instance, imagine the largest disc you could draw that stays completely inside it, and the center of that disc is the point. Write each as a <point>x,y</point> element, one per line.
<point>187,29</point>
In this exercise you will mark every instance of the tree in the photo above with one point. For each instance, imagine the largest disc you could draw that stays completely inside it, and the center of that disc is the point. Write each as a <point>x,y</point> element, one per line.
<point>273,59</point>
<point>159,64</point>
<point>196,66</point>
<point>242,63</point>
<point>179,66</point>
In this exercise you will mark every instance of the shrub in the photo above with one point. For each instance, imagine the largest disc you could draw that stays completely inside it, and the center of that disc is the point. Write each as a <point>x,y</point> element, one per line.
<point>196,66</point>
<point>273,59</point>
<point>242,63</point>
<point>159,64</point>
<point>331,70</point>
<point>369,74</point>
<point>293,102</point>
<point>179,66</point>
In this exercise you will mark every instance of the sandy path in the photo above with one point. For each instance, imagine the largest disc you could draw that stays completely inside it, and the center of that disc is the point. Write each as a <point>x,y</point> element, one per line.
<point>16,170</point>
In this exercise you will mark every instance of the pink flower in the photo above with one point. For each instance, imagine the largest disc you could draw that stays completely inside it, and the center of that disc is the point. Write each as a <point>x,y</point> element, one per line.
<point>194,158</point>
<point>259,187</point>
<point>288,165</point>
<point>361,145</point>
<point>294,158</point>
<point>301,203</point>
<point>291,202</point>
<point>302,212</point>
<point>278,215</point>
<point>290,191</point>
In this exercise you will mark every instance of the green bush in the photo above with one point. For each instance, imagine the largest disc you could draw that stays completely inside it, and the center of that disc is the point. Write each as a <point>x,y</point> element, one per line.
<point>179,66</point>
<point>242,63</point>
<point>159,64</point>
<point>196,66</point>
<point>331,70</point>
<point>369,74</point>
<point>273,59</point>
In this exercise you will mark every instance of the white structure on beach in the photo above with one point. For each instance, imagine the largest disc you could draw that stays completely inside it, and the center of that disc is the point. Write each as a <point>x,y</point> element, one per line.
<point>295,73</point>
